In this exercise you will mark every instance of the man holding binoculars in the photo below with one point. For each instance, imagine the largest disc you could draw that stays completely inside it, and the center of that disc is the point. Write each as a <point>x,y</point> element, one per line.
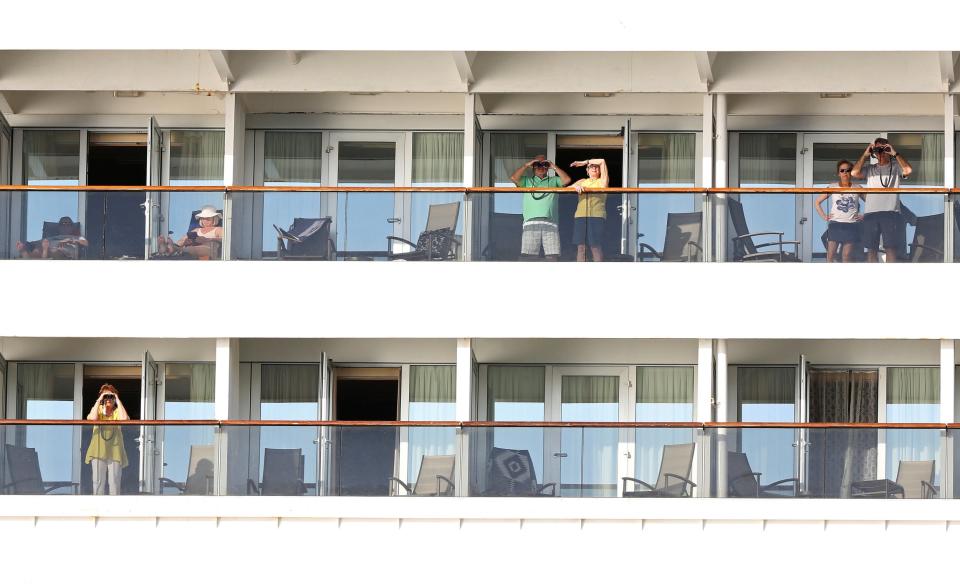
<point>881,212</point>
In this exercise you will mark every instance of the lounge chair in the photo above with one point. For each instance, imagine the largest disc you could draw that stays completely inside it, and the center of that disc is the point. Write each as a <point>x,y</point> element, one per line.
<point>504,237</point>
<point>210,249</point>
<point>65,238</point>
<point>306,239</point>
<point>23,463</point>
<point>434,479</point>
<point>927,245</point>
<point>914,481</point>
<point>438,241</point>
<point>744,247</point>
<point>681,242</point>
<point>674,477</point>
<point>282,473</point>
<point>742,481</point>
<point>510,473</point>
<point>200,472</point>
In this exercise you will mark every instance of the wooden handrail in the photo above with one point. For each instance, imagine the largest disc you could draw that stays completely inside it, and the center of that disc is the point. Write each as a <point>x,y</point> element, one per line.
<point>486,424</point>
<point>468,190</point>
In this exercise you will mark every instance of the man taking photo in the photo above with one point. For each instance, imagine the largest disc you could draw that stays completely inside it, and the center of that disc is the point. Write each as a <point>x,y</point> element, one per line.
<point>881,212</point>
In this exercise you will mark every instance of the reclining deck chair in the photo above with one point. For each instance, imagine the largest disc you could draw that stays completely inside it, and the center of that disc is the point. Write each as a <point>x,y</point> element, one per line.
<point>434,479</point>
<point>63,237</point>
<point>674,477</point>
<point>745,249</point>
<point>200,472</point>
<point>681,242</point>
<point>307,239</point>
<point>23,463</point>
<point>215,248</point>
<point>914,481</point>
<point>510,473</point>
<point>927,245</point>
<point>282,473</point>
<point>437,242</point>
<point>742,481</point>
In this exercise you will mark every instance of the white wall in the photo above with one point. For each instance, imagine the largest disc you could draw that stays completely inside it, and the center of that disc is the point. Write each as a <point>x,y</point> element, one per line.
<point>477,541</point>
<point>485,300</point>
<point>106,349</point>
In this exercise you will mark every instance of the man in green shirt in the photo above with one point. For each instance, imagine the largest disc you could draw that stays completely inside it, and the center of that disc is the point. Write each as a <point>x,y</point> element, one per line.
<point>540,209</point>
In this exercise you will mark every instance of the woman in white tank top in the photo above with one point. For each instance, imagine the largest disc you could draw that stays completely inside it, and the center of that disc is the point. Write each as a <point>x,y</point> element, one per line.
<point>843,222</point>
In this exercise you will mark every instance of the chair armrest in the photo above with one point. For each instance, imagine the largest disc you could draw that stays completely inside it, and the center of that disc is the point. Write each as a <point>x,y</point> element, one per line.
<point>775,485</point>
<point>551,486</point>
<point>644,246</point>
<point>449,488</point>
<point>164,482</point>
<point>752,234</point>
<point>776,244</point>
<point>49,486</point>
<point>252,488</point>
<point>929,490</point>
<point>401,484</point>
<point>730,482</point>
<point>929,248</point>
<point>637,481</point>
<point>402,240</point>
<point>685,481</point>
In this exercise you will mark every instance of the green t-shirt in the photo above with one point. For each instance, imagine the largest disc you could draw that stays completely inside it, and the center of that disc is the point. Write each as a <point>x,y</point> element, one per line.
<point>540,204</point>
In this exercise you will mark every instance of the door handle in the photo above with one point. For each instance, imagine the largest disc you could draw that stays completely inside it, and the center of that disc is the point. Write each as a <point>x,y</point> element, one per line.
<point>560,454</point>
<point>628,455</point>
<point>393,220</point>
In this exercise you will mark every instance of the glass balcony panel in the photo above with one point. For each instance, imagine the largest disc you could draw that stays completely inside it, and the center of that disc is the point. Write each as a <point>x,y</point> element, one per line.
<point>668,226</point>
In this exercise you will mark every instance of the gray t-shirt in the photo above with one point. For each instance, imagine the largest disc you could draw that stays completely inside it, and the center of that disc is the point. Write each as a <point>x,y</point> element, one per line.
<point>882,176</point>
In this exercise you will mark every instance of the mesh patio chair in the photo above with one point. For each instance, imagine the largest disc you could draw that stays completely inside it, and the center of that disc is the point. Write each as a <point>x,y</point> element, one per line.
<point>681,242</point>
<point>742,481</point>
<point>673,480</point>
<point>23,464</point>
<point>434,479</point>
<point>510,473</point>
<point>307,239</point>
<point>282,473</point>
<point>744,247</point>
<point>437,242</point>
<point>504,237</point>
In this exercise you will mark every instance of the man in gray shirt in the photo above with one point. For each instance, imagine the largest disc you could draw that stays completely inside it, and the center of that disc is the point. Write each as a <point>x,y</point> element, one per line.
<point>881,212</point>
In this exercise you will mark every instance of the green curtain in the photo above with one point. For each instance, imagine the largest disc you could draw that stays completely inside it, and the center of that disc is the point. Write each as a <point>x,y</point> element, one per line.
<point>437,157</point>
<point>433,383</point>
<point>913,385</point>
<point>289,383</point>
<point>51,155</point>
<point>514,384</point>
<point>511,150</point>
<point>292,157</point>
<point>768,159</point>
<point>766,385</point>
<point>589,389</point>
<point>200,378</point>
<point>673,385</point>
<point>196,155</point>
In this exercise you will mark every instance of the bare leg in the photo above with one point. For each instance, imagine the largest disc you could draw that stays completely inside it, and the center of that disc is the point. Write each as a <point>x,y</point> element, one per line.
<point>581,253</point>
<point>848,252</point>
<point>597,253</point>
<point>872,256</point>
<point>44,249</point>
<point>891,255</point>
<point>831,251</point>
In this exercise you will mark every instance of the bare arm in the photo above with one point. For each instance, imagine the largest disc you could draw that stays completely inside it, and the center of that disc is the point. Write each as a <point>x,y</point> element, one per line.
<point>604,175</point>
<point>904,165</point>
<point>857,171</point>
<point>516,175</point>
<point>820,211</point>
<point>563,175</point>
<point>95,410</point>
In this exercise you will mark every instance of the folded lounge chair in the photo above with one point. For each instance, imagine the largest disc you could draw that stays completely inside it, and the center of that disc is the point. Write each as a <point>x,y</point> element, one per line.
<point>306,239</point>
<point>434,479</point>
<point>673,480</point>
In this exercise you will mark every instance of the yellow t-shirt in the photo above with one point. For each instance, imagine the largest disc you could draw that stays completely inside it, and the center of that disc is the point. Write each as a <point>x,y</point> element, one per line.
<point>591,205</point>
<point>106,443</point>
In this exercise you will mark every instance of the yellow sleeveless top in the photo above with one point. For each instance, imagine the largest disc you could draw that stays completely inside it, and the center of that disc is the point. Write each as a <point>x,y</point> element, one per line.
<point>106,443</point>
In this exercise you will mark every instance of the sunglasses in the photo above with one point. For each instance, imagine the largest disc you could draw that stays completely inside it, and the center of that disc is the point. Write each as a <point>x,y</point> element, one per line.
<point>845,170</point>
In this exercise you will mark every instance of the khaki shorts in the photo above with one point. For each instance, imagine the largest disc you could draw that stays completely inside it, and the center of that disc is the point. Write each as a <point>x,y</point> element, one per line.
<point>541,233</point>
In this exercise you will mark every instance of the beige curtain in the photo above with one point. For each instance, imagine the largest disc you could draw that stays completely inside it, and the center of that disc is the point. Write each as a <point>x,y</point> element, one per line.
<point>292,157</point>
<point>768,159</point>
<point>196,155</point>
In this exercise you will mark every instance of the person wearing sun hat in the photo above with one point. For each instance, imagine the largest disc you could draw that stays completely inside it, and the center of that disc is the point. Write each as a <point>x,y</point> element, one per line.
<point>202,242</point>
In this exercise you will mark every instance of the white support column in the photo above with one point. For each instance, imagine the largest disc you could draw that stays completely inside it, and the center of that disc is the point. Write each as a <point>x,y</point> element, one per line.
<point>947,414</point>
<point>469,170</point>
<point>721,416</point>
<point>702,412</point>
<point>949,179</point>
<point>707,175</point>
<point>235,130</point>
<point>720,175</point>
<point>226,395</point>
<point>464,399</point>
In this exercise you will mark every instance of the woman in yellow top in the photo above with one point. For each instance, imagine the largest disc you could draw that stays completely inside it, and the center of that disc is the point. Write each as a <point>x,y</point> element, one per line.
<point>591,209</point>
<point>106,453</point>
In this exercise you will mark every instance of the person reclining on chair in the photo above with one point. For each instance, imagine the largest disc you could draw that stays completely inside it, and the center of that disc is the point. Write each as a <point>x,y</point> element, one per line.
<point>202,242</point>
<point>64,243</point>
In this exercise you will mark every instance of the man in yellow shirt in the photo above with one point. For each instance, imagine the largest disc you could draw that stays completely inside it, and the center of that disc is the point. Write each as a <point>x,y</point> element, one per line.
<point>591,209</point>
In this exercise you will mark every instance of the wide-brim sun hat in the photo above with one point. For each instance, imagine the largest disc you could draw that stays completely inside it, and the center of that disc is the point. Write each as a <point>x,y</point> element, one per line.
<point>207,212</point>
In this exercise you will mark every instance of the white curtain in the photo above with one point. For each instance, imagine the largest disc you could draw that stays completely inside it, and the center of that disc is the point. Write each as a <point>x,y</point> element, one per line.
<point>664,394</point>
<point>432,397</point>
<point>913,395</point>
